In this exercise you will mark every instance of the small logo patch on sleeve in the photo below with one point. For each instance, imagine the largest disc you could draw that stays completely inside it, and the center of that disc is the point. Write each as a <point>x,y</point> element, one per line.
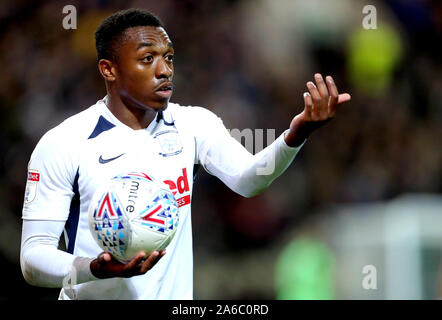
<point>31,186</point>
<point>33,176</point>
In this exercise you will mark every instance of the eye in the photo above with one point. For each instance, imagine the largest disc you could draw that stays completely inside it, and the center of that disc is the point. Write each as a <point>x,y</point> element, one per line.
<point>148,58</point>
<point>170,58</point>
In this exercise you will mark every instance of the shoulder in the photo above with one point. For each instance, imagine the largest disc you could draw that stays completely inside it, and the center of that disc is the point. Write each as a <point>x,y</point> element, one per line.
<point>202,123</point>
<point>193,115</point>
<point>80,125</point>
<point>69,133</point>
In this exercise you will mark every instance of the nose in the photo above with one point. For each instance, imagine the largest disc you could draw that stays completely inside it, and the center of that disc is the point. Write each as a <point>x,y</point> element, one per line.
<point>163,69</point>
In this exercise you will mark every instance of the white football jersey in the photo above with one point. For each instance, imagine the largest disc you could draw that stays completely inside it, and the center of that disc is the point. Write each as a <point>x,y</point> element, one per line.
<point>72,160</point>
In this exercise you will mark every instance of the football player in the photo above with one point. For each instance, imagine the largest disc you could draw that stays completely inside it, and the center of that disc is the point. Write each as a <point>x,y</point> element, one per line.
<point>135,128</point>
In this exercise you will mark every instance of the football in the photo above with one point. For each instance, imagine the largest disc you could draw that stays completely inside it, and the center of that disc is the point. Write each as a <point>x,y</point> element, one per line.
<point>133,213</point>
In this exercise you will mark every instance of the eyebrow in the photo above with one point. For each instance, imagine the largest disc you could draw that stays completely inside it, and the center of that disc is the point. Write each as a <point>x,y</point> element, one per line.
<point>149,44</point>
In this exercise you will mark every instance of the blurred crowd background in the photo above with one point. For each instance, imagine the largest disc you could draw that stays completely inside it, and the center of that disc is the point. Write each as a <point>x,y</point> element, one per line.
<point>364,190</point>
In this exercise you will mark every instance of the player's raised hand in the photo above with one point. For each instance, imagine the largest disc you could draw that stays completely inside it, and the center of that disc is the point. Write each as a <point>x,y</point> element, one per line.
<point>319,107</point>
<point>106,266</point>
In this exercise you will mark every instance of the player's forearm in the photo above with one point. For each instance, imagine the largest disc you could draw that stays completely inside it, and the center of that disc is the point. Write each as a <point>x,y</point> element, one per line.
<point>44,265</point>
<point>267,165</point>
<point>247,174</point>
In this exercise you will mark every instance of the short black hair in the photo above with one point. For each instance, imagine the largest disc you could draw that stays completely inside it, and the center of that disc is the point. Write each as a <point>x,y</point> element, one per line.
<point>113,27</point>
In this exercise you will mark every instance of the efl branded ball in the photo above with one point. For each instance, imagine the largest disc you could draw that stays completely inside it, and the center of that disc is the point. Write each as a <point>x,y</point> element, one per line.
<point>133,213</point>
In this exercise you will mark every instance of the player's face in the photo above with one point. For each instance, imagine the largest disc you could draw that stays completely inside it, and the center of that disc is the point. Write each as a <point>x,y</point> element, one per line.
<point>145,68</point>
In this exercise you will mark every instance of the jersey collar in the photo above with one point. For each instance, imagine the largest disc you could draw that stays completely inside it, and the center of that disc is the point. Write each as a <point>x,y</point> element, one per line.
<point>164,116</point>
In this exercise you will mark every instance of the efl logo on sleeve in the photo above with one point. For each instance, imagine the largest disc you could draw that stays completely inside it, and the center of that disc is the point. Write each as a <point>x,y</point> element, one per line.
<point>31,185</point>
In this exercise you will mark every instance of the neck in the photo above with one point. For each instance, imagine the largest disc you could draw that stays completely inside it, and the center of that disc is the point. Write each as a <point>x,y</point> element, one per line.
<point>133,117</point>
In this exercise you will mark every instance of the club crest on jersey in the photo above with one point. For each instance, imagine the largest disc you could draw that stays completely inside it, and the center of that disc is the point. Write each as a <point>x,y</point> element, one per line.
<point>169,142</point>
<point>31,185</point>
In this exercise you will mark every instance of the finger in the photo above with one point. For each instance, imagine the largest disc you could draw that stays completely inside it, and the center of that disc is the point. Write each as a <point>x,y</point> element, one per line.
<point>322,106</point>
<point>345,97</point>
<point>107,257</point>
<point>150,262</point>
<point>322,88</point>
<point>308,104</point>
<point>103,258</point>
<point>316,98</point>
<point>334,95</point>
<point>133,264</point>
<point>313,91</point>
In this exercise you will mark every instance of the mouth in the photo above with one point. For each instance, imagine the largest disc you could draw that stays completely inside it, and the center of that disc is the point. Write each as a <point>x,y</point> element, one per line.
<point>165,90</point>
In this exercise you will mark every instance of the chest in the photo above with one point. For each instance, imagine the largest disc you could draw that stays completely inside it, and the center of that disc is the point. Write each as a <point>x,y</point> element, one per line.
<point>165,154</point>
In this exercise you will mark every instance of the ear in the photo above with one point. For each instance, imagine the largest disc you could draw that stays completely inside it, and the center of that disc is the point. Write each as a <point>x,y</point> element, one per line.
<point>107,69</point>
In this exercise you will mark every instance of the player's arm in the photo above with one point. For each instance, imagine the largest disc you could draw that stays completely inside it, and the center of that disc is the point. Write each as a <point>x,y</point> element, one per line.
<point>243,172</point>
<point>43,264</point>
<point>248,174</point>
<point>48,196</point>
<point>224,157</point>
<point>49,191</point>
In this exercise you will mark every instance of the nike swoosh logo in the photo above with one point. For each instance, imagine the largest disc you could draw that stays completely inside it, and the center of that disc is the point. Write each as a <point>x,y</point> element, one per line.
<point>103,161</point>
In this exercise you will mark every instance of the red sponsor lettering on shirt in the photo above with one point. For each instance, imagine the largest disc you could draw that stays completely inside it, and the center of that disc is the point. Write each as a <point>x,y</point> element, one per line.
<point>179,187</point>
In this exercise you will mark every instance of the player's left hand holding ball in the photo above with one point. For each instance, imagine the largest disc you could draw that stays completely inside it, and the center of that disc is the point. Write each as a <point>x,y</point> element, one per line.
<point>106,266</point>
<point>319,108</point>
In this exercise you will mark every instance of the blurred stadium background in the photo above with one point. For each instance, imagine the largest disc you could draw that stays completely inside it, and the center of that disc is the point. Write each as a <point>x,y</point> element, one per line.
<point>364,190</point>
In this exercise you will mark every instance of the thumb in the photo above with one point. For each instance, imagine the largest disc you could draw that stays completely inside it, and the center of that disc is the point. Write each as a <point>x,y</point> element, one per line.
<point>345,97</point>
<point>103,258</point>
